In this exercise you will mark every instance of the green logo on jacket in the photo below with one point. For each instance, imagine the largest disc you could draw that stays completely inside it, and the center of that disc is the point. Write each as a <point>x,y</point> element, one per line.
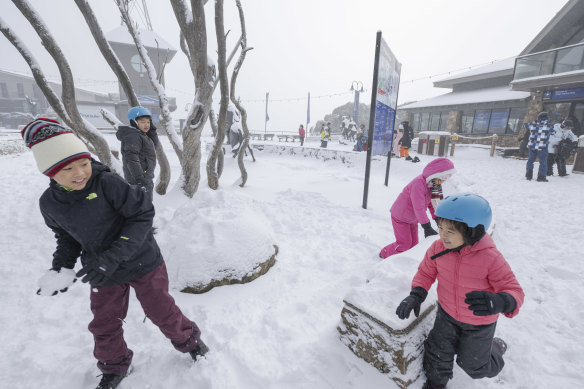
<point>91,196</point>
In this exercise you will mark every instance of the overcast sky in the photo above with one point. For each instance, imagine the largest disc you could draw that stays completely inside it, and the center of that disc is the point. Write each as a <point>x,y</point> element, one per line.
<point>301,46</point>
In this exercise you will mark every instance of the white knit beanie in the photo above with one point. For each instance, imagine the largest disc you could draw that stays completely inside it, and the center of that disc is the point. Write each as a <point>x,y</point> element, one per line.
<point>53,145</point>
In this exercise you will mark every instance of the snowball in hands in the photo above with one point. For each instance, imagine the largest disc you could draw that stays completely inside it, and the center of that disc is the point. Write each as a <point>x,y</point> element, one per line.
<point>55,281</point>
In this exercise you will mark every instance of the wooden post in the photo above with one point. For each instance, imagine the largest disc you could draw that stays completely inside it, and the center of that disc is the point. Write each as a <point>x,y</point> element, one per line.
<point>454,139</point>
<point>493,144</point>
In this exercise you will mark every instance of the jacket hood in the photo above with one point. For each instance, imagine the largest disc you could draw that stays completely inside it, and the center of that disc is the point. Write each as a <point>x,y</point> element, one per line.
<point>440,167</point>
<point>124,131</point>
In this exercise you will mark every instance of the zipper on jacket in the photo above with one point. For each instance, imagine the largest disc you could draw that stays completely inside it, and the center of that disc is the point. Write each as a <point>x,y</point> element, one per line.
<point>456,277</point>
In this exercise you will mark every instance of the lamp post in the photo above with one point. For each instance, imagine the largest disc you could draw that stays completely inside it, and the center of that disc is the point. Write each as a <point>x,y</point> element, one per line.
<point>355,87</point>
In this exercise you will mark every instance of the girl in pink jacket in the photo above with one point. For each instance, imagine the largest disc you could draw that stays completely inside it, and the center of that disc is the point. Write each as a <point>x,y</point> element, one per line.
<point>409,208</point>
<point>475,284</point>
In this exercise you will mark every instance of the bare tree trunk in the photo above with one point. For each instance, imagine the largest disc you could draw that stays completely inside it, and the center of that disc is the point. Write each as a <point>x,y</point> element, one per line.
<point>221,156</point>
<point>212,176</point>
<point>81,127</point>
<point>242,111</point>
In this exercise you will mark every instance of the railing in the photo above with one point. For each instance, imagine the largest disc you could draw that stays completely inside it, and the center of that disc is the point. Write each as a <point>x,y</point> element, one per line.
<point>556,61</point>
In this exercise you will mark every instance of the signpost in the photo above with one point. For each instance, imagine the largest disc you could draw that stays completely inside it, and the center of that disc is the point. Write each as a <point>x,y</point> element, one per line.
<point>386,74</point>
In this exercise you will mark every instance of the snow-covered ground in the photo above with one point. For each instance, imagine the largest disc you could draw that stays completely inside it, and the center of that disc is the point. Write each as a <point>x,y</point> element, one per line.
<point>279,331</point>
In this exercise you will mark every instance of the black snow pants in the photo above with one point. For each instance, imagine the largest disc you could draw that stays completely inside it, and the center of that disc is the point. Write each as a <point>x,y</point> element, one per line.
<point>472,345</point>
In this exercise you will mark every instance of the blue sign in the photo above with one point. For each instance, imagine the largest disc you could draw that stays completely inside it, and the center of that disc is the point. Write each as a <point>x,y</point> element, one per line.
<point>382,138</point>
<point>563,94</point>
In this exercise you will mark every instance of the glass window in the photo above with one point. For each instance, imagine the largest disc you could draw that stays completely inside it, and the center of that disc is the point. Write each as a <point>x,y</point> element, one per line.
<point>498,122</point>
<point>424,121</point>
<point>20,89</point>
<point>569,59</point>
<point>444,120</point>
<point>557,111</point>
<point>466,122</point>
<point>4,89</point>
<point>434,121</point>
<point>416,122</point>
<point>515,120</point>
<point>481,121</point>
<point>578,119</point>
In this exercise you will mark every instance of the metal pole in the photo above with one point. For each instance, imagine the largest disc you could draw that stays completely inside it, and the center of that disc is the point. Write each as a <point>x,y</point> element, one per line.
<point>371,119</point>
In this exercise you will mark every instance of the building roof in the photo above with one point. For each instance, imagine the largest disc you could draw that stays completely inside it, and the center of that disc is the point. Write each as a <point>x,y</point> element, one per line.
<point>501,93</point>
<point>503,67</point>
<point>149,38</point>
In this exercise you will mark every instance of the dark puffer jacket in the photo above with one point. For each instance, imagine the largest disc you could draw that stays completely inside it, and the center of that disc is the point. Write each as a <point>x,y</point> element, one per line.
<point>108,214</point>
<point>138,155</point>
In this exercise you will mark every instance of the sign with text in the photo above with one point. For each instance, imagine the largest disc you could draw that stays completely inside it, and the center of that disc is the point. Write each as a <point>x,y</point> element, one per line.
<point>389,70</point>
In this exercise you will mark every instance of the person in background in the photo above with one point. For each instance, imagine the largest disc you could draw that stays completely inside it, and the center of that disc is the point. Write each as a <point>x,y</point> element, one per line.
<point>409,209</point>
<point>301,134</point>
<point>539,135</point>
<point>323,138</point>
<point>397,141</point>
<point>99,217</point>
<point>561,139</point>
<point>475,285</point>
<point>406,141</point>
<point>139,141</point>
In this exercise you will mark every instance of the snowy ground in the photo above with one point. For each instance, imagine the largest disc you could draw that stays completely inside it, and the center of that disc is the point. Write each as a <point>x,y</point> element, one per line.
<point>279,331</point>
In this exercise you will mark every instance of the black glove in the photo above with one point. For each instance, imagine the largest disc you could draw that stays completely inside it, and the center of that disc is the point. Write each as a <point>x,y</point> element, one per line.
<point>484,303</point>
<point>413,301</point>
<point>428,230</point>
<point>99,268</point>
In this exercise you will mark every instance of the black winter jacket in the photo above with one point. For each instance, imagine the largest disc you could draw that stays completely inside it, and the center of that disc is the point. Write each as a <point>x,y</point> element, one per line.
<point>138,155</point>
<point>406,139</point>
<point>108,214</point>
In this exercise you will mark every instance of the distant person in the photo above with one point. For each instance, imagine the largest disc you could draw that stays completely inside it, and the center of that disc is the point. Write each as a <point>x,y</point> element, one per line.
<point>562,140</point>
<point>301,134</point>
<point>139,141</point>
<point>98,217</point>
<point>475,285</point>
<point>352,130</point>
<point>406,141</point>
<point>396,141</point>
<point>523,139</point>
<point>539,136</point>
<point>409,209</point>
<point>323,137</point>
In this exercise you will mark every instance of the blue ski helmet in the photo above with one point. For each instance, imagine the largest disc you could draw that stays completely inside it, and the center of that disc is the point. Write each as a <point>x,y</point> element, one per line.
<point>136,112</point>
<point>468,208</point>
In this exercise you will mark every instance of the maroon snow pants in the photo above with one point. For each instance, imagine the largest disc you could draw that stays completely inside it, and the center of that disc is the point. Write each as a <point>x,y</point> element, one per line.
<point>109,305</point>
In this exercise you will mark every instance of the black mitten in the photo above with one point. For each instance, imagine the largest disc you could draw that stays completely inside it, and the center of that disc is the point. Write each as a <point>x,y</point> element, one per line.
<point>428,230</point>
<point>412,302</point>
<point>99,269</point>
<point>484,303</point>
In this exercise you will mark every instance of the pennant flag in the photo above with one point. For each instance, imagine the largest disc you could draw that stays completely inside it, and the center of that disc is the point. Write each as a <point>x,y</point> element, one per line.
<point>267,97</point>
<point>308,111</point>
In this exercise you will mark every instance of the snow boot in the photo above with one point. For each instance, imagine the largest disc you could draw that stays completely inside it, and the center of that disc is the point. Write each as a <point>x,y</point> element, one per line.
<point>499,345</point>
<point>408,158</point>
<point>529,175</point>
<point>416,159</point>
<point>432,385</point>
<point>110,381</point>
<point>541,178</point>
<point>199,351</point>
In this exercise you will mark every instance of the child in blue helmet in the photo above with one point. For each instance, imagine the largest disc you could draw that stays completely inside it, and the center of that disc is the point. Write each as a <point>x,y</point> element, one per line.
<point>139,141</point>
<point>475,284</point>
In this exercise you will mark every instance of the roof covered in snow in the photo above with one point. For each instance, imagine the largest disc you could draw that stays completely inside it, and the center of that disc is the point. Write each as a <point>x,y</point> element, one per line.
<point>496,69</point>
<point>150,39</point>
<point>502,93</point>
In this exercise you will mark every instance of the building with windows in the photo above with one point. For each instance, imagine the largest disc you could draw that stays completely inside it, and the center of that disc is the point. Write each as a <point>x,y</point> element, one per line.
<point>21,99</point>
<point>498,98</point>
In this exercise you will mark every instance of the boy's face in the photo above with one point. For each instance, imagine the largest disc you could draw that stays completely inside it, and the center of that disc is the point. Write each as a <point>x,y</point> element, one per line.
<point>75,175</point>
<point>143,123</point>
<point>451,237</point>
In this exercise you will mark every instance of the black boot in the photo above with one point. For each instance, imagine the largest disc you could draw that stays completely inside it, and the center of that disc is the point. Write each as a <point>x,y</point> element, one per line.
<point>199,351</point>
<point>499,345</point>
<point>541,178</point>
<point>408,158</point>
<point>110,381</point>
<point>432,385</point>
<point>529,175</point>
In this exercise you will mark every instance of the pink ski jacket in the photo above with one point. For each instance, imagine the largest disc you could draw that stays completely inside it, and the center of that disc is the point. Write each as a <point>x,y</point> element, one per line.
<point>477,267</point>
<point>411,204</point>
